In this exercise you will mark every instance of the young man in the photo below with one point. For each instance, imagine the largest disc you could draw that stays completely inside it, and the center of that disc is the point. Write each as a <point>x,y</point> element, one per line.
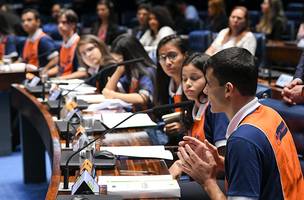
<point>68,63</point>
<point>261,160</point>
<point>39,49</point>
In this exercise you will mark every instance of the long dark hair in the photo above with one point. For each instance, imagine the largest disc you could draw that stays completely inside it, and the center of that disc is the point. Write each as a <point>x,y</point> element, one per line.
<point>130,48</point>
<point>110,5</point>
<point>161,93</point>
<point>163,17</point>
<point>199,61</point>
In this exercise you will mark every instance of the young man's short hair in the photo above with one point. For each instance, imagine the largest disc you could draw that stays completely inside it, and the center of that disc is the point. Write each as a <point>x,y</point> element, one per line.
<point>30,10</point>
<point>235,65</point>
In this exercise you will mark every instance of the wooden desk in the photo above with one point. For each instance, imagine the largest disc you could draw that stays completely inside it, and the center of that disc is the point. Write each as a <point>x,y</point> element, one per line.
<point>6,79</point>
<point>275,91</point>
<point>278,53</point>
<point>39,133</point>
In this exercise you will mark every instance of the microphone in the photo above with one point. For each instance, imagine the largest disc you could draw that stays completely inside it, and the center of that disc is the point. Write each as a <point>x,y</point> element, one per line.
<point>127,62</point>
<point>155,109</point>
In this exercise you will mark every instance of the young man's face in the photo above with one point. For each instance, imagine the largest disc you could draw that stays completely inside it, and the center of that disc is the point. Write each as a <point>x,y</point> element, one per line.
<point>65,28</point>
<point>29,23</point>
<point>215,92</point>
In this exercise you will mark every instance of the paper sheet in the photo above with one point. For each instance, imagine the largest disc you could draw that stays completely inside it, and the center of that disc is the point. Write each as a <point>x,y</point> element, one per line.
<point>92,98</point>
<point>78,89</point>
<point>69,81</point>
<point>109,104</point>
<point>156,186</point>
<point>141,151</point>
<point>138,120</point>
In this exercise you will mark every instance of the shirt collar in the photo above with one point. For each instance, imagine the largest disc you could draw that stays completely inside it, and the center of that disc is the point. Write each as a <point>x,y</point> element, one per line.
<point>240,115</point>
<point>70,41</point>
<point>172,88</point>
<point>197,111</point>
<point>36,35</point>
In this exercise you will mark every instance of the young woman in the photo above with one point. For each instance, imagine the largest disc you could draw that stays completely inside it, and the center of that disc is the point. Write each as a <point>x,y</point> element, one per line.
<point>132,83</point>
<point>106,29</point>
<point>217,18</point>
<point>171,53</point>
<point>93,55</point>
<point>236,35</point>
<point>201,123</point>
<point>160,25</point>
<point>273,21</point>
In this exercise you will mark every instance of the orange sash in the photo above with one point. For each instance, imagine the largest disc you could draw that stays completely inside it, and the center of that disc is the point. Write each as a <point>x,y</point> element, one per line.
<point>66,57</point>
<point>2,47</point>
<point>198,130</point>
<point>284,150</point>
<point>30,51</point>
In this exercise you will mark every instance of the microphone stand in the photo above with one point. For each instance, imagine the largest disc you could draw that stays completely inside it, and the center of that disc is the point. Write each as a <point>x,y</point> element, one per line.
<point>155,109</point>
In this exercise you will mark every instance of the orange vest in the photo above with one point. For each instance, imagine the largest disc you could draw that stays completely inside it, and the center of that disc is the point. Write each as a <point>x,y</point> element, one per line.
<point>30,51</point>
<point>66,57</point>
<point>283,146</point>
<point>177,98</point>
<point>198,130</point>
<point>2,47</point>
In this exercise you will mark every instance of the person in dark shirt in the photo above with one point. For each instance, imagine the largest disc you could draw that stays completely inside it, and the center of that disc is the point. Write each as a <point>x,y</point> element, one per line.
<point>106,28</point>
<point>273,22</point>
<point>217,18</point>
<point>142,16</point>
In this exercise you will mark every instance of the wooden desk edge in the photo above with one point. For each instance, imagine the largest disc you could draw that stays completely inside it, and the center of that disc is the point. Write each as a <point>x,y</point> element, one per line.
<point>55,178</point>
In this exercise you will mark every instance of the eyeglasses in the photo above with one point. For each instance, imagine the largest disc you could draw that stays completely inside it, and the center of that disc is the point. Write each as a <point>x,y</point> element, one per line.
<point>171,56</point>
<point>87,51</point>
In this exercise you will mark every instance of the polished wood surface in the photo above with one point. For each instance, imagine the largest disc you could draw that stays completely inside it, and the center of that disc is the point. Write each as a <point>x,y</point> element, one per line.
<point>280,53</point>
<point>37,115</point>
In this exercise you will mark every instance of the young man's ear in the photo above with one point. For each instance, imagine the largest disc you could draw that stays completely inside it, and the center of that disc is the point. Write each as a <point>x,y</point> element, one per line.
<point>229,88</point>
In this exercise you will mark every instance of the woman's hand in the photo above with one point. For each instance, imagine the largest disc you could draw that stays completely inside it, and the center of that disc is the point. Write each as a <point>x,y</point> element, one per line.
<point>174,127</point>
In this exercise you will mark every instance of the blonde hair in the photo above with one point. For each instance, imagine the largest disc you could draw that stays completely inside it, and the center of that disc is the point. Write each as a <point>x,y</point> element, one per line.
<point>276,12</point>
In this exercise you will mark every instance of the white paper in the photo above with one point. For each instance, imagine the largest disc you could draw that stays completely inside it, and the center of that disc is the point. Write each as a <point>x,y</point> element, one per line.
<point>78,89</point>
<point>283,80</point>
<point>17,67</point>
<point>141,151</point>
<point>109,104</point>
<point>138,120</point>
<point>156,186</point>
<point>93,98</point>
<point>69,81</point>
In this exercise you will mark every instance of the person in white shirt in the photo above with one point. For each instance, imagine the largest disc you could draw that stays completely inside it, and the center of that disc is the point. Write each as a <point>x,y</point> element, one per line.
<point>236,35</point>
<point>160,26</point>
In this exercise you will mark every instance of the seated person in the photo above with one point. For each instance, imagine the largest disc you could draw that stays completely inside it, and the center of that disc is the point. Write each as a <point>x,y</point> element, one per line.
<point>171,53</point>
<point>273,21</point>
<point>132,83</point>
<point>217,18</point>
<point>105,28</point>
<point>39,49</point>
<point>201,122</point>
<point>160,26</point>
<point>68,63</point>
<point>261,160</point>
<point>293,93</point>
<point>94,55</point>
<point>236,35</point>
<point>142,16</point>
<point>7,41</point>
